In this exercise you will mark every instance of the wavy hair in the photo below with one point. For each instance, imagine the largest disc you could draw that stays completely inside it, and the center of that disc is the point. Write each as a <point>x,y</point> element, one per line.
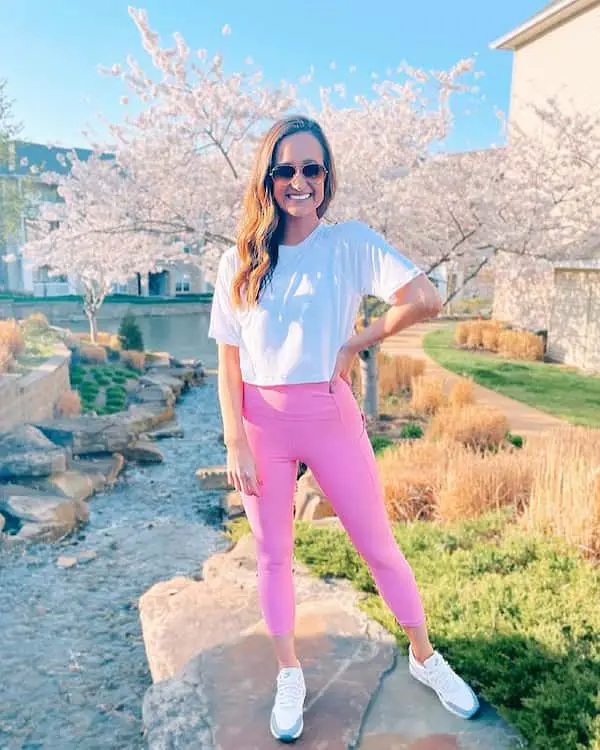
<point>261,225</point>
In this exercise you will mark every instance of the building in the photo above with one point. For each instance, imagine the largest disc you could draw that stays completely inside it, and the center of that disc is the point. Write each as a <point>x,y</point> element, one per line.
<point>554,55</point>
<point>20,182</point>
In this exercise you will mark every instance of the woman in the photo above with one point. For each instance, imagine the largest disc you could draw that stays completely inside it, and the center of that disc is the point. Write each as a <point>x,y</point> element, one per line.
<point>283,312</point>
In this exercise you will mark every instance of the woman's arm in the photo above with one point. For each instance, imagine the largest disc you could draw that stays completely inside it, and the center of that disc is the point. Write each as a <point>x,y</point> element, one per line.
<point>241,468</point>
<point>416,301</point>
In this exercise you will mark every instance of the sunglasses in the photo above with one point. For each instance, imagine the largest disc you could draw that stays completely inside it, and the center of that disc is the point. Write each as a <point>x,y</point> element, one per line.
<point>286,172</point>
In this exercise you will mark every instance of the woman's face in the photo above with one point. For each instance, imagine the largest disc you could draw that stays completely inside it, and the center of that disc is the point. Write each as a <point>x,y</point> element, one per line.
<point>299,196</point>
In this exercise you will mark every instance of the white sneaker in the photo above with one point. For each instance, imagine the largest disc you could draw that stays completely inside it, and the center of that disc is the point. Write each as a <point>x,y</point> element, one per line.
<point>287,721</point>
<point>454,693</point>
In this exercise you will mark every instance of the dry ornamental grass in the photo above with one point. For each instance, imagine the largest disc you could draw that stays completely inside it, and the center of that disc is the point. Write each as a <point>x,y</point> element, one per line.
<point>462,393</point>
<point>11,337</point>
<point>134,359</point>
<point>6,359</point>
<point>69,404</point>
<point>428,394</point>
<point>92,354</point>
<point>477,427</point>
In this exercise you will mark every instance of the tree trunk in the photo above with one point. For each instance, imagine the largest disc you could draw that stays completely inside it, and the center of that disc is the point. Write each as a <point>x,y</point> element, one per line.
<point>368,373</point>
<point>92,320</point>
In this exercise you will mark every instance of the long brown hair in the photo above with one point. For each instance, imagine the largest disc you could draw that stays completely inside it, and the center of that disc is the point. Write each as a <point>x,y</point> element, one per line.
<point>261,225</point>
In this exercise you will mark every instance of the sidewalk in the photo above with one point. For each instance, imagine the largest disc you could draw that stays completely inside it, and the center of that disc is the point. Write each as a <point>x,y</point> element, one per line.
<point>522,419</point>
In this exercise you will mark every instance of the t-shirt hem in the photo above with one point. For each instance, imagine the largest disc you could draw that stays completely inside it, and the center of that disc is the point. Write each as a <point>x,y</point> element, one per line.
<point>266,382</point>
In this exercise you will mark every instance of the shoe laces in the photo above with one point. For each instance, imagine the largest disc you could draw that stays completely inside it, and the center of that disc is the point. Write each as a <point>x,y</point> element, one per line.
<point>289,690</point>
<point>441,676</point>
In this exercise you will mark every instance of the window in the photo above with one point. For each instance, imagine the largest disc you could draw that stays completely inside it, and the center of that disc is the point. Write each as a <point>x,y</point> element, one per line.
<point>183,284</point>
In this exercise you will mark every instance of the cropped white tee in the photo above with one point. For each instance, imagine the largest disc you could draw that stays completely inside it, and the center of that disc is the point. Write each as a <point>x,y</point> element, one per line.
<point>308,310</point>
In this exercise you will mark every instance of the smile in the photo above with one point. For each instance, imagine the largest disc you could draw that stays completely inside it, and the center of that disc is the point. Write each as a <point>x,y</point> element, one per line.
<point>299,197</point>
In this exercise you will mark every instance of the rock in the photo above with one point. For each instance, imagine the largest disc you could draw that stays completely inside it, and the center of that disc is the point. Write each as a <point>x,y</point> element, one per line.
<point>66,562</point>
<point>213,478</point>
<point>153,394</point>
<point>172,430</point>
<point>87,555</point>
<point>163,359</point>
<point>88,435</point>
<point>143,451</point>
<point>147,417</point>
<point>71,483</point>
<point>26,452</point>
<point>2,523</point>
<point>211,658</point>
<point>231,503</point>
<point>45,517</point>
<point>181,373</point>
<point>103,471</point>
<point>311,503</point>
<point>164,379</point>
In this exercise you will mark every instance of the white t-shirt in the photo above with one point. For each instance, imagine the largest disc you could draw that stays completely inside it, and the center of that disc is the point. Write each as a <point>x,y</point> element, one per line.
<point>308,310</point>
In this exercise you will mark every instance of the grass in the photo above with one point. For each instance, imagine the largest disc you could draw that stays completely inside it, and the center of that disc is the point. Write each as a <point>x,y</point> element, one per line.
<point>516,614</point>
<point>40,345</point>
<point>563,392</point>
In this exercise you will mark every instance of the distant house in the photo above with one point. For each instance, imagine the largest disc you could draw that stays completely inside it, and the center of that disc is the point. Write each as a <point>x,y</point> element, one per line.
<point>20,176</point>
<point>555,55</point>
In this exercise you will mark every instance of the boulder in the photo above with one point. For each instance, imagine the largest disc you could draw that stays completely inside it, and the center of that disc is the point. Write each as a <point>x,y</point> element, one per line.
<point>163,359</point>
<point>88,435</point>
<point>156,393</point>
<point>210,658</point>
<point>71,483</point>
<point>182,373</point>
<point>143,451</point>
<point>103,471</point>
<point>44,517</point>
<point>144,418</point>
<point>231,503</point>
<point>26,452</point>
<point>311,503</point>
<point>171,430</point>
<point>164,379</point>
<point>213,478</point>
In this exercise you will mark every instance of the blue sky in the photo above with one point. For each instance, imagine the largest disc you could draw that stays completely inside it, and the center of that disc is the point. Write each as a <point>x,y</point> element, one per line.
<point>49,51</point>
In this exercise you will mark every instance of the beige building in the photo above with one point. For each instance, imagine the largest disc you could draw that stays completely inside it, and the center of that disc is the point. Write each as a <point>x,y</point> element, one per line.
<point>556,55</point>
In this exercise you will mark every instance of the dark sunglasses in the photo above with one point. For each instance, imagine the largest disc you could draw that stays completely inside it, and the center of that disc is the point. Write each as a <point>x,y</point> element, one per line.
<point>286,172</point>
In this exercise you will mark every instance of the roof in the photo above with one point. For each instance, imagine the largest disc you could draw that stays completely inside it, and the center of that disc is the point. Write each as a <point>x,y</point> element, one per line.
<point>23,155</point>
<point>551,15</point>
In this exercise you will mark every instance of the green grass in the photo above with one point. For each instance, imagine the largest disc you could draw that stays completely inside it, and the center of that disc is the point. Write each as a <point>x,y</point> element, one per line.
<point>516,615</point>
<point>565,393</point>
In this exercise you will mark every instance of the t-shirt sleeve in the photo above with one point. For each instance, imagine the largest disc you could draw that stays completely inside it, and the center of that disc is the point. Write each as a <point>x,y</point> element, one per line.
<point>224,324</point>
<point>383,269</point>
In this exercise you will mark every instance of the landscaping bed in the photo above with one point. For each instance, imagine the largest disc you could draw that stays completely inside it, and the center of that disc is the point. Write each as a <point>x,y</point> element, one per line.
<point>561,391</point>
<point>103,389</point>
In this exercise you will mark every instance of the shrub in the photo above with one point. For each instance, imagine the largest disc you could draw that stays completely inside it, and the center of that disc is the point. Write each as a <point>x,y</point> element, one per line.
<point>478,334</point>
<point>479,427</point>
<point>515,440</point>
<point>411,431</point>
<point>134,360</point>
<point>130,334</point>
<point>396,372</point>
<point>90,353</point>
<point>521,345</point>
<point>462,393</point>
<point>461,334</point>
<point>11,337</point>
<point>475,483</point>
<point>6,359</point>
<point>76,374</point>
<point>380,443</point>
<point>35,323</point>
<point>427,394</point>
<point>565,497</point>
<point>68,404</point>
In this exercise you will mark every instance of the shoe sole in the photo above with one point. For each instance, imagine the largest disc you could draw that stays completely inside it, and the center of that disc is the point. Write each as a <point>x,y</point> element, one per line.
<point>449,708</point>
<point>288,738</point>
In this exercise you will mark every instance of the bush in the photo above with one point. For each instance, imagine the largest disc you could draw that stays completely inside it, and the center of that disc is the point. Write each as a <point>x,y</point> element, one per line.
<point>515,440</point>
<point>11,337</point>
<point>69,404</point>
<point>478,334</point>
<point>565,498</point>
<point>521,345</point>
<point>462,393</point>
<point>380,443</point>
<point>411,431</point>
<point>92,354</point>
<point>395,373</point>
<point>6,359</point>
<point>427,394</point>
<point>130,334</point>
<point>134,360</point>
<point>478,427</point>
<point>35,323</point>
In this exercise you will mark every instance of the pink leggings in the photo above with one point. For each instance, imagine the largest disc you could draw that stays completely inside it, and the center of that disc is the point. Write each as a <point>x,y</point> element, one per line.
<point>326,431</point>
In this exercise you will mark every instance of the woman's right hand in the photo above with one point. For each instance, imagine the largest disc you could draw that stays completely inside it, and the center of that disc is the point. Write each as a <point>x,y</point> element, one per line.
<point>241,468</point>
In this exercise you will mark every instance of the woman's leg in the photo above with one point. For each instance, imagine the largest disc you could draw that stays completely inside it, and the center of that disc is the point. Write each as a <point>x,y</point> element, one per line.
<point>271,519</point>
<point>342,460</point>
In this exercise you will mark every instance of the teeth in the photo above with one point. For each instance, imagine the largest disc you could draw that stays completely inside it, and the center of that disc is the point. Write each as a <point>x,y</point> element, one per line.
<point>299,197</point>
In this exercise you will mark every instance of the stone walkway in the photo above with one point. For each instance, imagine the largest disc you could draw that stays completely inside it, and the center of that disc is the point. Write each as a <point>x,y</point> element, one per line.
<point>522,419</point>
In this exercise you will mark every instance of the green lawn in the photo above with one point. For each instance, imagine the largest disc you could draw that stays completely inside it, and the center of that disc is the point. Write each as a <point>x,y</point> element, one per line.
<point>565,393</point>
<point>517,616</point>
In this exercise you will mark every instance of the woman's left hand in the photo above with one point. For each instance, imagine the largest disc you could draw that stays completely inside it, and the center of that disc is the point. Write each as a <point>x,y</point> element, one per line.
<point>343,365</point>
